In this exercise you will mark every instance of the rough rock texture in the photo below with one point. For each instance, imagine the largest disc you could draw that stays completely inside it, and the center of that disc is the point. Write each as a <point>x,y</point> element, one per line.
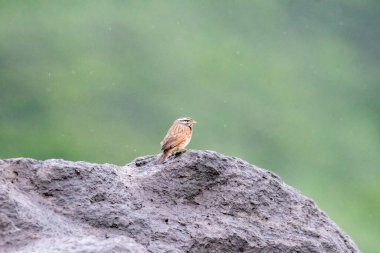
<point>200,201</point>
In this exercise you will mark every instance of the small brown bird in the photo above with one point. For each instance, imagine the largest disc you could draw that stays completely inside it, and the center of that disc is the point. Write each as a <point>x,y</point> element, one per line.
<point>177,138</point>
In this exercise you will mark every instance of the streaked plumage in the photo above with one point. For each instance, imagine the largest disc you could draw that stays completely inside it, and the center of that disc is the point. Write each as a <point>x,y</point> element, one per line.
<point>177,138</point>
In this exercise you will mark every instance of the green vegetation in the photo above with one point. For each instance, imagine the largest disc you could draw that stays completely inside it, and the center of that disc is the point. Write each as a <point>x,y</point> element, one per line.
<point>291,86</point>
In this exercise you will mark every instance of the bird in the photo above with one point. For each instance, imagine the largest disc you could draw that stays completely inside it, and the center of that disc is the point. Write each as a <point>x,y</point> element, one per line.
<point>177,138</point>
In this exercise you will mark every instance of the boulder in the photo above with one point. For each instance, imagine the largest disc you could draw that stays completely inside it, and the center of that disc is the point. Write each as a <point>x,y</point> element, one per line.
<point>199,201</point>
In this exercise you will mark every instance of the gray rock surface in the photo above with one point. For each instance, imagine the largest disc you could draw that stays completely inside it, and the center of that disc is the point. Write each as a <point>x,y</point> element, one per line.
<point>200,201</point>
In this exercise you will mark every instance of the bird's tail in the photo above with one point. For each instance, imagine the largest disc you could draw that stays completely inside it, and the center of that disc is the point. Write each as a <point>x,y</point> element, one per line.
<point>162,157</point>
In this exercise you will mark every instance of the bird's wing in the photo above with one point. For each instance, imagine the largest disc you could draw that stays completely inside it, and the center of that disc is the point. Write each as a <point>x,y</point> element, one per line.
<point>176,135</point>
<point>172,141</point>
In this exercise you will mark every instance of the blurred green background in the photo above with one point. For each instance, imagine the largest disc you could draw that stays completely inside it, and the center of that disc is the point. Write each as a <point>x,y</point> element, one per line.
<point>292,86</point>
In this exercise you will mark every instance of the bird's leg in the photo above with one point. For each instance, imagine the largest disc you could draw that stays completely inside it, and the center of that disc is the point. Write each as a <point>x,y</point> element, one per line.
<point>179,151</point>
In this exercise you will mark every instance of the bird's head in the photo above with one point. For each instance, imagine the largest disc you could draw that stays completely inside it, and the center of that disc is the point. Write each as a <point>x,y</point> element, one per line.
<point>186,121</point>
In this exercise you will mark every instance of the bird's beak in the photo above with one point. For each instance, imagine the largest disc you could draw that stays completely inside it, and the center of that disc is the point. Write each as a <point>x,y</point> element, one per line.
<point>194,122</point>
